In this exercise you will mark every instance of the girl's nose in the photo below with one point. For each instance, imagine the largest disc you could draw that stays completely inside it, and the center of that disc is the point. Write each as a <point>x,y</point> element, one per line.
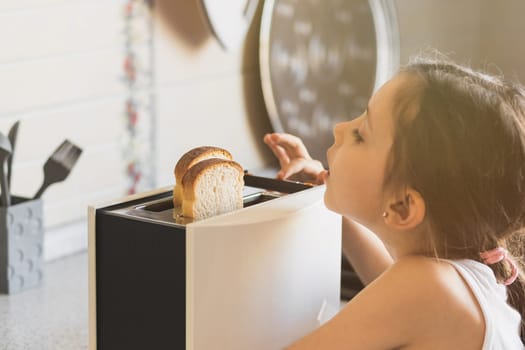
<point>338,131</point>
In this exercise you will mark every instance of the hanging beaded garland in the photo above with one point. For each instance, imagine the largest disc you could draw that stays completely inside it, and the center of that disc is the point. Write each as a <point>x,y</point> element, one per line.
<point>138,141</point>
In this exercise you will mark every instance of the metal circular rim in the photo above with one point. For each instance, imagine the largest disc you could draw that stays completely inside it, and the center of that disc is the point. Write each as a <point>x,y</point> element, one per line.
<point>386,26</point>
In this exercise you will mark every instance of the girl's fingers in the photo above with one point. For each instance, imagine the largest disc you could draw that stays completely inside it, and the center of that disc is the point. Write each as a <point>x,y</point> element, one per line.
<point>297,166</point>
<point>321,177</point>
<point>281,155</point>
<point>294,158</point>
<point>293,145</point>
<point>268,139</point>
<point>277,150</point>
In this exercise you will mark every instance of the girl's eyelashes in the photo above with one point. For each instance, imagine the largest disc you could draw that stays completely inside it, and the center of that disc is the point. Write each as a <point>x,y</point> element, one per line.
<point>357,136</point>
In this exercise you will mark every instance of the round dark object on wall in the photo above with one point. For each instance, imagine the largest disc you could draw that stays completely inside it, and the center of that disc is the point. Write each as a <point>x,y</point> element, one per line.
<point>321,60</point>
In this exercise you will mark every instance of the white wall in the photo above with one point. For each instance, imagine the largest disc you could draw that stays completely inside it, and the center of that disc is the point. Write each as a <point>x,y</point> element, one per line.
<point>449,26</point>
<point>502,29</point>
<point>205,94</point>
<point>59,75</point>
<point>486,34</point>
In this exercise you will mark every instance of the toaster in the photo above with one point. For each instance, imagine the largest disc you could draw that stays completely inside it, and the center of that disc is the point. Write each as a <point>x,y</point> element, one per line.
<point>256,278</point>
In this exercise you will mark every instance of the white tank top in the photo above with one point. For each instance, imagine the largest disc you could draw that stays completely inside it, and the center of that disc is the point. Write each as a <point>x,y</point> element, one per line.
<point>502,322</point>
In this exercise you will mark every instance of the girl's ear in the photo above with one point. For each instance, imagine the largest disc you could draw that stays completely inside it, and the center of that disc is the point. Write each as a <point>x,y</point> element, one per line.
<point>406,213</point>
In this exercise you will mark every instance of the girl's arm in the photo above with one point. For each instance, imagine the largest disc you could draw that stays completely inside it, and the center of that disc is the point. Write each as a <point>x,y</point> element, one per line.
<point>365,251</point>
<point>417,303</point>
<point>379,317</point>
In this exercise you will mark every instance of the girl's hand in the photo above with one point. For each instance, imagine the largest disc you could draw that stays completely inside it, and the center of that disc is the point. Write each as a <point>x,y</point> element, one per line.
<point>295,161</point>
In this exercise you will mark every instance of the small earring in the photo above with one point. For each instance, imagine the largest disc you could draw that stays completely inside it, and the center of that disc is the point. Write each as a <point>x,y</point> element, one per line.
<point>385,214</point>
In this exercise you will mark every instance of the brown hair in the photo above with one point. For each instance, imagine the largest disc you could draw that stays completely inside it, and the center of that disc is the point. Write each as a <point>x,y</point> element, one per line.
<point>464,151</point>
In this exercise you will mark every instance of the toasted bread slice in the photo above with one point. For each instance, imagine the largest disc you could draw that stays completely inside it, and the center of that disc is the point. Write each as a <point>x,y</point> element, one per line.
<point>191,158</point>
<point>211,187</point>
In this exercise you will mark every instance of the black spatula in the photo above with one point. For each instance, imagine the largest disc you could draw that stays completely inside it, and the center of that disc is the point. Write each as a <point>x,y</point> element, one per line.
<point>59,165</point>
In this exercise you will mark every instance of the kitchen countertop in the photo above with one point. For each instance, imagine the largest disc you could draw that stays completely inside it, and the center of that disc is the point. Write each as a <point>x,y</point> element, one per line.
<point>52,316</point>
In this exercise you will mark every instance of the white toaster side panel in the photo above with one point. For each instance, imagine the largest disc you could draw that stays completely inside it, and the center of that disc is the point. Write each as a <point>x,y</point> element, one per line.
<point>260,281</point>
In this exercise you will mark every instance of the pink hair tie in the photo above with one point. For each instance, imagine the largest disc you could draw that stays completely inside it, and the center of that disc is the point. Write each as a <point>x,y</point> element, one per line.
<point>495,256</point>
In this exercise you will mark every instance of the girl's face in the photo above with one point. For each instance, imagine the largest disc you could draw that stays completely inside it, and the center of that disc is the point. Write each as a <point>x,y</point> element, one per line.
<point>357,159</point>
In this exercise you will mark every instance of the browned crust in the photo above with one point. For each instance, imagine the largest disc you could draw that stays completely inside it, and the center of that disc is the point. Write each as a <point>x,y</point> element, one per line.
<point>193,156</point>
<point>192,175</point>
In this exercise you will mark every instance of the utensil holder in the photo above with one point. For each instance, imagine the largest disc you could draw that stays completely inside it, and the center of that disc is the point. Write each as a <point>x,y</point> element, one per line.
<point>21,245</point>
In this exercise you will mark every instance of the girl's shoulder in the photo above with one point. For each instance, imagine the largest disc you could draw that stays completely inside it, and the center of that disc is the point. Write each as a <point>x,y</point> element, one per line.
<point>433,285</point>
<point>419,303</point>
<point>433,294</point>
<point>421,272</point>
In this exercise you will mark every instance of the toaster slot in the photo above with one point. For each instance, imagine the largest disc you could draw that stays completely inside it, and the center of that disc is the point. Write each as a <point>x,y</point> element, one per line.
<point>283,186</point>
<point>167,203</point>
<point>257,198</point>
<point>158,206</point>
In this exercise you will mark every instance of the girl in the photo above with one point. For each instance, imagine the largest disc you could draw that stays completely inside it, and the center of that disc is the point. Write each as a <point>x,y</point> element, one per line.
<point>435,168</point>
